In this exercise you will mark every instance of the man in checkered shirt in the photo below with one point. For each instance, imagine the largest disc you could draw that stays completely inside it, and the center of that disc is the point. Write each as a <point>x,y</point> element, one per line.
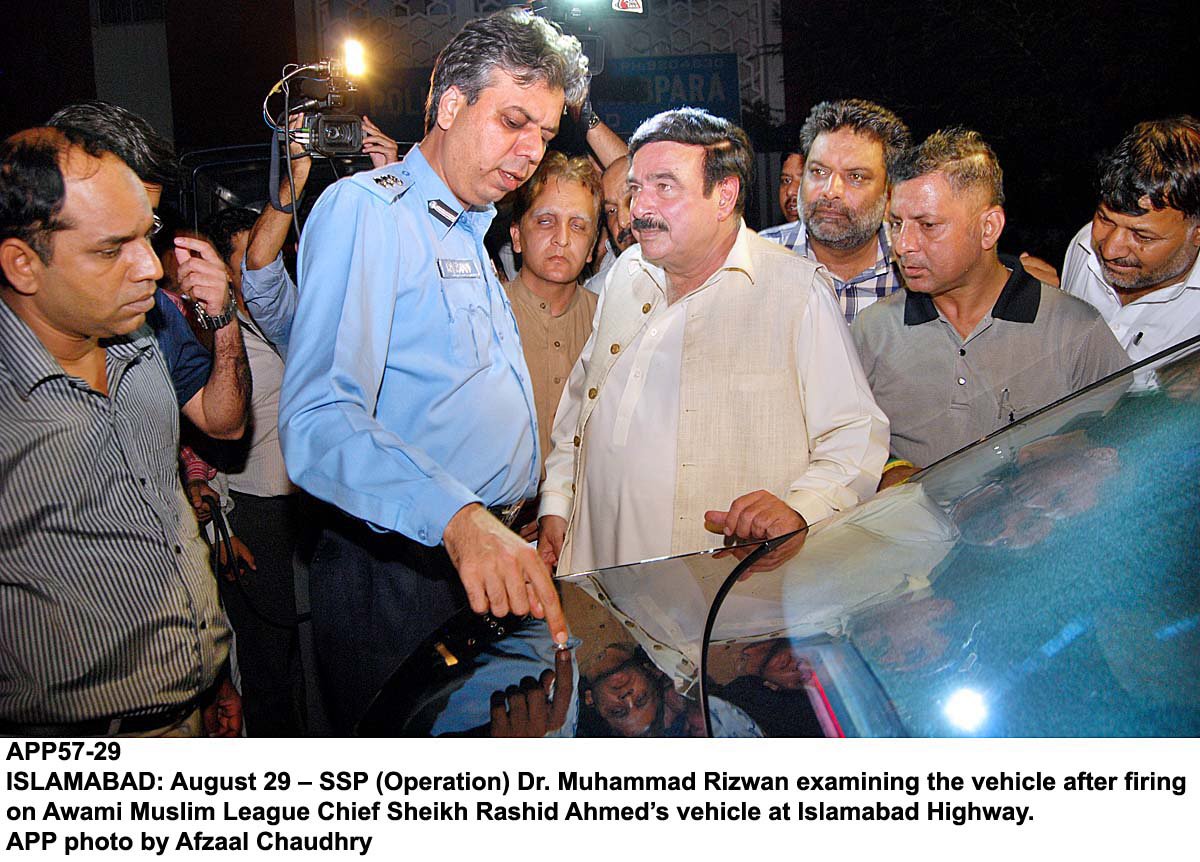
<point>849,147</point>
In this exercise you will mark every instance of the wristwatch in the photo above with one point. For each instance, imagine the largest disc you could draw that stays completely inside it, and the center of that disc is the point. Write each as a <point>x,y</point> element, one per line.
<point>589,116</point>
<point>214,322</point>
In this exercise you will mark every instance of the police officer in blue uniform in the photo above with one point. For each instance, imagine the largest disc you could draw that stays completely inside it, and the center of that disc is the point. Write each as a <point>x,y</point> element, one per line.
<point>406,404</point>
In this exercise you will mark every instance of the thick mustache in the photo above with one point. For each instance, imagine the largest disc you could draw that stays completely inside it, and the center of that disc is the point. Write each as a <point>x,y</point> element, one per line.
<point>1121,261</point>
<point>625,236</point>
<point>649,224</point>
<point>839,209</point>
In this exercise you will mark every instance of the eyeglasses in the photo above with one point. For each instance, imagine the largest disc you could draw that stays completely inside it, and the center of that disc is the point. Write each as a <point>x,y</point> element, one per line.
<point>158,225</point>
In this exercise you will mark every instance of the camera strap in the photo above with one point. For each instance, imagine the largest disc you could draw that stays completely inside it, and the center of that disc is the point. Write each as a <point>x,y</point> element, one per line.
<point>279,140</point>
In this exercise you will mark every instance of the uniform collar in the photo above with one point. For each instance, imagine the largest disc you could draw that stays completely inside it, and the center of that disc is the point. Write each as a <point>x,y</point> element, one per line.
<point>442,206</point>
<point>30,363</point>
<point>1018,301</point>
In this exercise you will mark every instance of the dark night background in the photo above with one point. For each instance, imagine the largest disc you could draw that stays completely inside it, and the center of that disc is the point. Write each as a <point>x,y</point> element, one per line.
<point>1049,85</point>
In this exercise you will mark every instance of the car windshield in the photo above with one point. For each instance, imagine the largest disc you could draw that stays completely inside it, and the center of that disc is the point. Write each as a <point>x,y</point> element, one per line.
<point>632,669</point>
<point>1038,583</point>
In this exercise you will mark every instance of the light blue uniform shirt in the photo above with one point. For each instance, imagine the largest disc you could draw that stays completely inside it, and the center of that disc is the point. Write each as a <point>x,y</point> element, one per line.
<point>406,395</point>
<point>271,297</point>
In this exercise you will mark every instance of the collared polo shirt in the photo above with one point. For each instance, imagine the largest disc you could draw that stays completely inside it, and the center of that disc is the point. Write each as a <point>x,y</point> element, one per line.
<point>855,294</point>
<point>551,345</point>
<point>1146,326</point>
<point>107,603</point>
<point>942,391</point>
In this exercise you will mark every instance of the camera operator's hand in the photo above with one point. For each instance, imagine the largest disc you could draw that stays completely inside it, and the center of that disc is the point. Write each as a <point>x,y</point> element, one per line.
<point>606,144</point>
<point>301,162</point>
<point>270,232</point>
<point>580,111</point>
<point>382,149</point>
<point>203,276</point>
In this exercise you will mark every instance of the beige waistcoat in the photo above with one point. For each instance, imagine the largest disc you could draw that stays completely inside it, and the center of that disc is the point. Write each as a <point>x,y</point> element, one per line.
<point>742,423</point>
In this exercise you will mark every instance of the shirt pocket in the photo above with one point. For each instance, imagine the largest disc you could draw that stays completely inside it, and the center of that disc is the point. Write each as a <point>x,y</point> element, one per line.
<point>1018,410</point>
<point>469,319</point>
<point>1012,406</point>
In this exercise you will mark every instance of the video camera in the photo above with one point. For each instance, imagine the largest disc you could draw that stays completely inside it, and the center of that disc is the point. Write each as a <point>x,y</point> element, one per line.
<point>326,131</point>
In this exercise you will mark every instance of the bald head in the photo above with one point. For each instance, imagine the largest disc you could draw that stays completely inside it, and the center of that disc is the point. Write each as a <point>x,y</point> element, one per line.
<point>619,168</point>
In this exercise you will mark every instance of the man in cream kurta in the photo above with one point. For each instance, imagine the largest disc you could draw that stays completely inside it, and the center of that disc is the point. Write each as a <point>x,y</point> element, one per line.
<point>720,385</point>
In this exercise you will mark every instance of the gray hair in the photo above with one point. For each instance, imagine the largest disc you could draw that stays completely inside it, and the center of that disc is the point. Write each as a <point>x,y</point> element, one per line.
<point>516,41</point>
<point>727,150</point>
<point>862,118</point>
<point>962,156</point>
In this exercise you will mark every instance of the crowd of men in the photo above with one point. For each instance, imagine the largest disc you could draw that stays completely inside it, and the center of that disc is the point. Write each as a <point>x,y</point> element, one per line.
<point>388,434</point>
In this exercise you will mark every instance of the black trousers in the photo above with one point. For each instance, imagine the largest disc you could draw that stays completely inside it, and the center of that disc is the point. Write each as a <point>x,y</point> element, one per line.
<point>262,610</point>
<point>375,598</point>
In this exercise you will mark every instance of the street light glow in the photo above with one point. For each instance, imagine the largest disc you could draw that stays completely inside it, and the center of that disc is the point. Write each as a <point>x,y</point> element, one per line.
<point>356,58</point>
<point>966,709</point>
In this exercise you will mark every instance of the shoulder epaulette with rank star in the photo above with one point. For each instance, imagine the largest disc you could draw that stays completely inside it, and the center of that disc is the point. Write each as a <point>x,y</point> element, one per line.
<point>385,182</point>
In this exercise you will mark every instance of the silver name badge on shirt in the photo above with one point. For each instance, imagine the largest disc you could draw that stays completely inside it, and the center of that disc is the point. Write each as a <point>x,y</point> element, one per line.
<point>458,268</point>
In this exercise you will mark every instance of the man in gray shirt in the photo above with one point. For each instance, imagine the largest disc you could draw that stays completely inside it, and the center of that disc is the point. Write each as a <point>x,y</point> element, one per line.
<point>109,619</point>
<point>973,342</point>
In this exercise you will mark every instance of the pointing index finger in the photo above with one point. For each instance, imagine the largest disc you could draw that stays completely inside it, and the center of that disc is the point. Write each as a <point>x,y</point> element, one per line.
<point>539,578</point>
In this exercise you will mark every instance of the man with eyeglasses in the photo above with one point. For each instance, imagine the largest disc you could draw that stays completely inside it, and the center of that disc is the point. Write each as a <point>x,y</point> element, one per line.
<point>212,389</point>
<point>111,622</point>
